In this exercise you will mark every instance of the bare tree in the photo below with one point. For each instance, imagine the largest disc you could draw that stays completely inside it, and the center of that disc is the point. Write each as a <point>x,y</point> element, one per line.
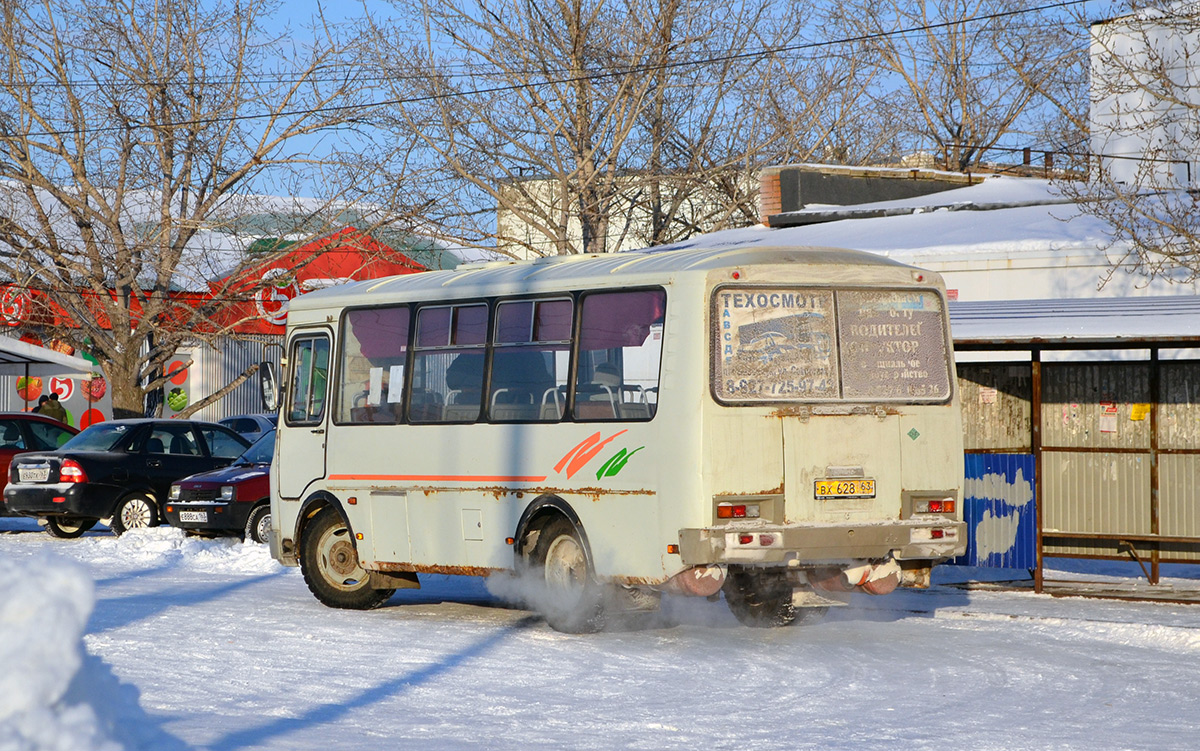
<point>133,133</point>
<point>586,125</point>
<point>965,74</point>
<point>1145,130</point>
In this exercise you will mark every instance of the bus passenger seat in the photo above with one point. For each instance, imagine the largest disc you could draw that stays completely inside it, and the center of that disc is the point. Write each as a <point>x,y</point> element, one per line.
<point>463,380</point>
<point>605,386</point>
<point>552,404</point>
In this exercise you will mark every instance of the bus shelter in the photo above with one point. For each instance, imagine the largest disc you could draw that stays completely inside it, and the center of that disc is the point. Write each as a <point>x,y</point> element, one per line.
<point>1082,430</point>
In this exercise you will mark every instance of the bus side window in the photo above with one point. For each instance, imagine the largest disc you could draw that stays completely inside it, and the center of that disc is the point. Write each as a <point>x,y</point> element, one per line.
<point>529,360</point>
<point>620,348</point>
<point>448,363</point>
<point>374,361</point>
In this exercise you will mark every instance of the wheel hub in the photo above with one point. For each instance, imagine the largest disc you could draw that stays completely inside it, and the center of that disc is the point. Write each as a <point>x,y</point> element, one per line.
<point>342,559</point>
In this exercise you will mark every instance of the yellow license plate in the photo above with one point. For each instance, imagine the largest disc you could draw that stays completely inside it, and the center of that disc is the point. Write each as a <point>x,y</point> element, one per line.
<point>826,489</point>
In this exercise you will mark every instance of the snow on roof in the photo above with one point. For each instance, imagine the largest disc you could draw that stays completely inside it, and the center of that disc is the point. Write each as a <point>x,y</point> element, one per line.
<point>1091,321</point>
<point>999,217</point>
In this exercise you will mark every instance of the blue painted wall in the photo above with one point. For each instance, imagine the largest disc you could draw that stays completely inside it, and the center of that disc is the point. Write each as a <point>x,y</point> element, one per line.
<point>1000,512</point>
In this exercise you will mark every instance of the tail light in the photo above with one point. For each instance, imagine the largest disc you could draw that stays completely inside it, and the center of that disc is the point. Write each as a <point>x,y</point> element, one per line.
<point>70,471</point>
<point>737,511</point>
<point>930,506</point>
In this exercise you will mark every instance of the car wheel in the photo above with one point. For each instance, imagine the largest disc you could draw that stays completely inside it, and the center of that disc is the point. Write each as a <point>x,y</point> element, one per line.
<point>258,526</point>
<point>68,527</point>
<point>329,562</point>
<point>136,511</point>
<point>572,601</point>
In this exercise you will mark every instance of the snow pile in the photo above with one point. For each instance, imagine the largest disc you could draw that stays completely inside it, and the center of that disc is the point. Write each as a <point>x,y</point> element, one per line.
<point>45,603</point>
<point>165,545</point>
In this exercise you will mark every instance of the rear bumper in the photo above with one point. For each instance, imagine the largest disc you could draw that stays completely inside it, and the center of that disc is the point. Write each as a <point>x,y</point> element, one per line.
<point>88,500</point>
<point>798,544</point>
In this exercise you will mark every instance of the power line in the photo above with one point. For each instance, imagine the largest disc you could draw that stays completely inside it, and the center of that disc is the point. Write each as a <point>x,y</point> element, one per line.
<point>595,76</point>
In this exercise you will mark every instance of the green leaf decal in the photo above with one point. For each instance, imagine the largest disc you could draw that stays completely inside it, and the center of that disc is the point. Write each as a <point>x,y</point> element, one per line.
<point>616,463</point>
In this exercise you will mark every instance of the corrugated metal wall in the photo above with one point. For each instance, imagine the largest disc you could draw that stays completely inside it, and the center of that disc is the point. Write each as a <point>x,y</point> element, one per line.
<point>216,367</point>
<point>1120,454</point>
<point>996,406</point>
<point>999,509</point>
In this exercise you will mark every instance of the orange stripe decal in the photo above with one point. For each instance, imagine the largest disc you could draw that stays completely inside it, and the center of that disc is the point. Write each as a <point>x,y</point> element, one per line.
<point>583,453</point>
<point>439,478</point>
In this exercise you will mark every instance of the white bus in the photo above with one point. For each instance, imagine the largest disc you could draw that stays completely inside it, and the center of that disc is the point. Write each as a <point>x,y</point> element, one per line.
<point>777,423</point>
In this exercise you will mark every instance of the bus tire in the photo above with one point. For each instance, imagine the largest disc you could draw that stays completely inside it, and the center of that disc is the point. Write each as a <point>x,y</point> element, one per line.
<point>569,597</point>
<point>329,562</point>
<point>760,599</point>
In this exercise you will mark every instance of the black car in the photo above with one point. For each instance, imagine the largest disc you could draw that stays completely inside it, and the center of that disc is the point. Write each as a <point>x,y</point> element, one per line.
<point>121,469</point>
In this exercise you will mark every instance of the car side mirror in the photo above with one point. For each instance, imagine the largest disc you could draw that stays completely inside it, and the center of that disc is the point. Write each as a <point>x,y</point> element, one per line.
<point>268,386</point>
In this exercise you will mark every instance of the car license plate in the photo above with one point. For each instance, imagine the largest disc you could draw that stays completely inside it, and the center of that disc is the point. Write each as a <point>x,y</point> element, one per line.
<point>827,489</point>
<point>193,516</point>
<point>33,474</point>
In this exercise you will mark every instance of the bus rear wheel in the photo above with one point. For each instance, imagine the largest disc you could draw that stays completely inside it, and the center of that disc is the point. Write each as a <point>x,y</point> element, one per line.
<point>329,562</point>
<point>570,599</point>
<point>763,599</point>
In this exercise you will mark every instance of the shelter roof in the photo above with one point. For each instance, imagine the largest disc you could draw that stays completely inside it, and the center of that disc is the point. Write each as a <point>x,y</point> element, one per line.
<point>21,358</point>
<point>1080,323</point>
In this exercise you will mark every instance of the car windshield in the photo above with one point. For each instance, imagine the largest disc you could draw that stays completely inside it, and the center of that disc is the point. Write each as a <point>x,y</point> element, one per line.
<point>101,437</point>
<point>261,452</point>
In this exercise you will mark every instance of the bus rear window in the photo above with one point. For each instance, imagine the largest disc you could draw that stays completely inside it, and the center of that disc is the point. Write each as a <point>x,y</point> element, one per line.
<point>798,344</point>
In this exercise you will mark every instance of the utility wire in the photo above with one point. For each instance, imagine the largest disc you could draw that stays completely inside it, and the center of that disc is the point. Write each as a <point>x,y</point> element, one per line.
<point>595,76</point>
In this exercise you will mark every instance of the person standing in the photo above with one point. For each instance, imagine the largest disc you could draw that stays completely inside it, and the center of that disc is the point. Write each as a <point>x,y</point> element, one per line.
<point>53,408</point>
<point>41,403</point>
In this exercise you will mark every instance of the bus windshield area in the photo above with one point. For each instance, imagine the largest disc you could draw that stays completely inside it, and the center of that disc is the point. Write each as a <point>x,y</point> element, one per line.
<point>508,361</point>
<point>775,344</point>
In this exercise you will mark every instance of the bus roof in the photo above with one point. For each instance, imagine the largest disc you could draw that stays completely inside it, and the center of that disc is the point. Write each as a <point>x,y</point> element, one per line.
<point>625,268</point>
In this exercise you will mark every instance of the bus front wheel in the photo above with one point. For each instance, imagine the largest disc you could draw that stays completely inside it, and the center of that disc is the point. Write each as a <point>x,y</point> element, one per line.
<point>569,597</point>
<point>329,562</point>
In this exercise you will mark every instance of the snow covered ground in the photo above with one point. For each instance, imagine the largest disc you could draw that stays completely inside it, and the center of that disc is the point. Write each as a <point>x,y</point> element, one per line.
<point>209,644</point>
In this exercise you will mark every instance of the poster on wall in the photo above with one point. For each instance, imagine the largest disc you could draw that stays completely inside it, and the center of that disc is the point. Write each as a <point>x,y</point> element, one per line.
<point>85,400</point>
<point>177,390</point>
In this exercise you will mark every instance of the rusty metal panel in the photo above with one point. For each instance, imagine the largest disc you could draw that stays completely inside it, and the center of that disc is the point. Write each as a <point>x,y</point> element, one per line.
<point>1179,406</point>
<point>1101,405</point>
<point>1096,492</point>
<point>995,406</point>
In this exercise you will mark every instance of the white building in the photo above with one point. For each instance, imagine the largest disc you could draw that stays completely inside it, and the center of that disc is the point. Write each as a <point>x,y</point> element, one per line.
<point>1145,96</point>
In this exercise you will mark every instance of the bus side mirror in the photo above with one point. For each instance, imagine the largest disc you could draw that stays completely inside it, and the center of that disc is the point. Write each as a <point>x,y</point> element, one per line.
<point>268,386</point>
